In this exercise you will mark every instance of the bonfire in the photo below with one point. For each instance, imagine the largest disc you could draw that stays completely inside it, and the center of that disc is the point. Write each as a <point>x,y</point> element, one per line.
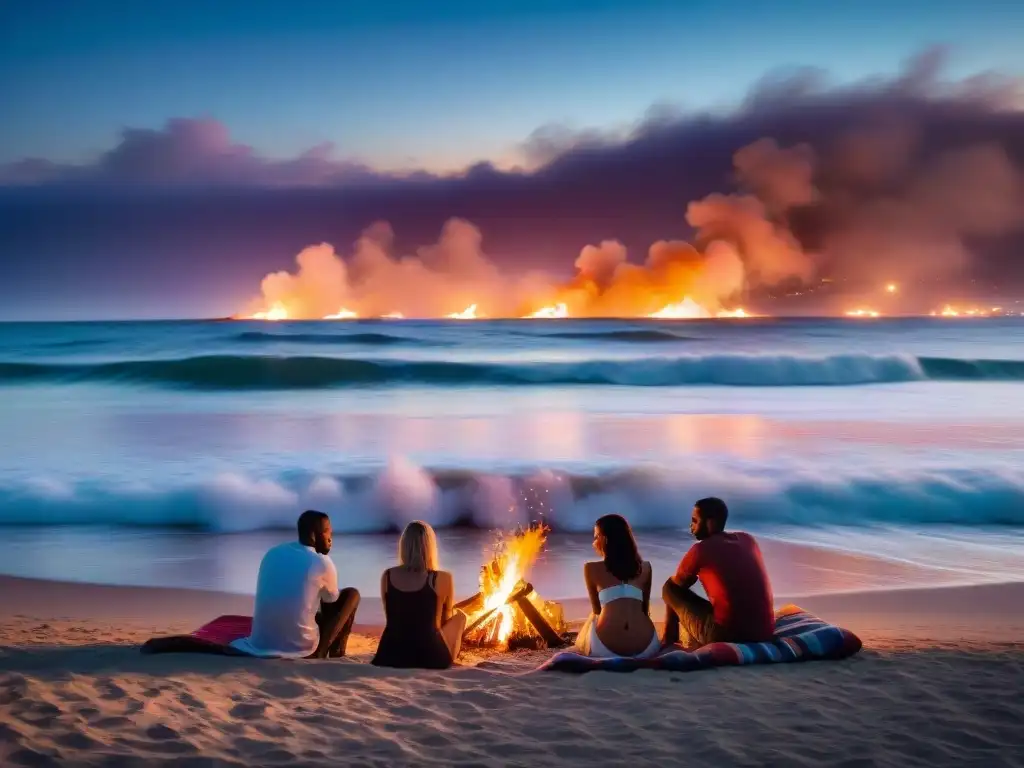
<point>507,612</point>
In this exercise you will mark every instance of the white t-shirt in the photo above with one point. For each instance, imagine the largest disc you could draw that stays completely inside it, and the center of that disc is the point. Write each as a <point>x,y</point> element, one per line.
<point>293,580</point>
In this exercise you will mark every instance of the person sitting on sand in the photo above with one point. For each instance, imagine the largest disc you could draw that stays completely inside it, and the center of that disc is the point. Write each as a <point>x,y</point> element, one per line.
<point>300,612</point>
<point>422,628</point>
<point>730,568</point>
<point>619,585</point>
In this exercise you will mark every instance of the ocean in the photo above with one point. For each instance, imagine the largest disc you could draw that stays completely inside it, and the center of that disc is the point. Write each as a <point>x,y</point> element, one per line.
<point>866,453</point>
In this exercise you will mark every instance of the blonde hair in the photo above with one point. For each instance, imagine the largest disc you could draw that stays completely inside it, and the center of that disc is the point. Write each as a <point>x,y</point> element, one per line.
<point>417,549</point>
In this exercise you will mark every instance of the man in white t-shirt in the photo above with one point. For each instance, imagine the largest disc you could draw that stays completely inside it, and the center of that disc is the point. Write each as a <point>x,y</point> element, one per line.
<point>300,612</point>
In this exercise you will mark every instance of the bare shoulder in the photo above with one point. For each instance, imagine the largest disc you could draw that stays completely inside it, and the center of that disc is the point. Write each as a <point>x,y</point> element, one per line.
<point>593,566</point>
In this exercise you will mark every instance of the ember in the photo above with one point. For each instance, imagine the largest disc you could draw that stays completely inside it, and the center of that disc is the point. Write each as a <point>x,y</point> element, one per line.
<point>507,611</point>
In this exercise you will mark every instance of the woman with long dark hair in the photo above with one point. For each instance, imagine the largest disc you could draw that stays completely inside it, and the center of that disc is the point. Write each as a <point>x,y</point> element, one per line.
<point>619,586</point>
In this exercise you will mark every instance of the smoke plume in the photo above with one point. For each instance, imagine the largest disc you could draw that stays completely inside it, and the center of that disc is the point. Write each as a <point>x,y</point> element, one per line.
<point>741,240</point>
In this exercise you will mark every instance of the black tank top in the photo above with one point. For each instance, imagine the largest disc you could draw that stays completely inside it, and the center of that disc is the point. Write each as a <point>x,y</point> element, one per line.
<point>412,638</point>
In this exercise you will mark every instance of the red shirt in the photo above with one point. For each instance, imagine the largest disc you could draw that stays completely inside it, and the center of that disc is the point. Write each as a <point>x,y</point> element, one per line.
<point>731,570</point>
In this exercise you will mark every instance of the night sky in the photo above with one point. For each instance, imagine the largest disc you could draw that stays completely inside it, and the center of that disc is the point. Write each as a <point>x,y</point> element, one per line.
<point>158,158</point>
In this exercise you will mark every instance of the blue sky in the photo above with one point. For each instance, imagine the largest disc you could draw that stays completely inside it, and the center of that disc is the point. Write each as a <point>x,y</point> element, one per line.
<point>435,84</point>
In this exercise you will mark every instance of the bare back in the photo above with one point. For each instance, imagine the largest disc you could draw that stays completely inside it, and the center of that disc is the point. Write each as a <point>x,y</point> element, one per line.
<point>623,625</point>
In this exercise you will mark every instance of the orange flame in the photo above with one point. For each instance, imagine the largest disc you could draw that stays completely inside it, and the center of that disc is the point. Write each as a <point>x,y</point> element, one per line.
<point>277,311</point>
<point>862,313</point>
<point>556,311</point>
<point>514,556</point>
<point>342,314</point>
<point>739,312</point>
<point>469,313</point>
<point>688,309</point>
<point>393,316</point>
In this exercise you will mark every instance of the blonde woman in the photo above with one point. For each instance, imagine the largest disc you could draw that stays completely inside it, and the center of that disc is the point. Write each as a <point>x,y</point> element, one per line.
<point>422,628</point>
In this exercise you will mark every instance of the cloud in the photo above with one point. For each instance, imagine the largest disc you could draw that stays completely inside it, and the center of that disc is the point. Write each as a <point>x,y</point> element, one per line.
<point>196,152</point>
<point>912,175</point>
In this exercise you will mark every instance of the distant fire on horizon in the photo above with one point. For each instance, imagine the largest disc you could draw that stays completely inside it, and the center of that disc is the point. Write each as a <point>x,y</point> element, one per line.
<point>745,244</point>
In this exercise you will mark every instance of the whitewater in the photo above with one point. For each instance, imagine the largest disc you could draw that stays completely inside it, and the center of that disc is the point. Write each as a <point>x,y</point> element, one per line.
<point>856,435</point>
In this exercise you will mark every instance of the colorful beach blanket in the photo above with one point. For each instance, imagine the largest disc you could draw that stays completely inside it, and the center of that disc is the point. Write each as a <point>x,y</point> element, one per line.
<point>799,636</point>
<point>215,637</point>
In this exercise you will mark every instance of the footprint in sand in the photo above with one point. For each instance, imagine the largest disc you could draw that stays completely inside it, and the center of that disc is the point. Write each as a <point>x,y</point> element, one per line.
<point>108,689</point>
<point>273,730</point>
<point>282,689</point>
<point>161,732</point>
<point>75,740</point>
<point>248,710</point>
<point>26,756</point>
<point>188,700</point>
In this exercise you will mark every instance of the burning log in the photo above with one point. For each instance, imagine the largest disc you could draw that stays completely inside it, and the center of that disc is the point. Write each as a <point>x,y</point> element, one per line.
<point>471,605</point>
<point>536,618</point>
<point>479,621</point>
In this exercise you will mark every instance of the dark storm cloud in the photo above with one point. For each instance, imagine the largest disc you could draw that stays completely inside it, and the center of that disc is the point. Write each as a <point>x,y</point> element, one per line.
<point>908,175</point>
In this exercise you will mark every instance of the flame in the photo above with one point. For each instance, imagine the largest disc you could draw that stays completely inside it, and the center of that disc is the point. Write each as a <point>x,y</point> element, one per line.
<point>688,309</point>
<point>342,314</point>
<point>738,312</point>
<point>862,313</point>
<point>685,309</point>
<point>469,313</point>
<point>513,558</point>
<point>277,311</point>
<point>556,311</point>
<point>393,316</point>
<point>951,311</point>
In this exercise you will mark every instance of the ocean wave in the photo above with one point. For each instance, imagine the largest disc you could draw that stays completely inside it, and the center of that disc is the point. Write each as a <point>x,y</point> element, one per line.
<point>403,491</point>
<point>643,335</point>
<point>258,372</point>
<point>330,339</point>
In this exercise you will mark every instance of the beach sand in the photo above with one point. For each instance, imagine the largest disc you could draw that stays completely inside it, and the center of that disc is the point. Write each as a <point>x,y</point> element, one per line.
<point>940,682</point>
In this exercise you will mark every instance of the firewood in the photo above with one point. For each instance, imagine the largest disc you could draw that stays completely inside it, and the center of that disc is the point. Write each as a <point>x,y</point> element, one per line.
<point>472,604</point>
<point>536,618</point>
<point>495,629</point>
<point>479,621</point>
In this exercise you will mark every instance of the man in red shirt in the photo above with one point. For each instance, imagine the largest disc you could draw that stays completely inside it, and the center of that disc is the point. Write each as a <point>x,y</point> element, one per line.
<point>730,568</point>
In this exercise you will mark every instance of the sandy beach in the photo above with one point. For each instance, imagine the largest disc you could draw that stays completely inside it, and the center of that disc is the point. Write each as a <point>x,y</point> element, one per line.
<point>940,682</point>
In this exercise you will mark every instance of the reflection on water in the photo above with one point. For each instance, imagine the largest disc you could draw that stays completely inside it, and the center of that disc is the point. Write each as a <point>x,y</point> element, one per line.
<point>799,565</point>
<point>89,436</point>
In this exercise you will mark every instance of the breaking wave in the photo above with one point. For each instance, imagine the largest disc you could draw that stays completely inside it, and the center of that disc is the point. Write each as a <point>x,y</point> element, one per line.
<point>981,496</point>
<point>636,335</point>
<point>330,339</point>
<point>263,372</point>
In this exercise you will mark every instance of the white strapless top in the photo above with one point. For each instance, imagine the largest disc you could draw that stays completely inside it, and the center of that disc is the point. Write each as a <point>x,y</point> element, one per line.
<point>618,592</point>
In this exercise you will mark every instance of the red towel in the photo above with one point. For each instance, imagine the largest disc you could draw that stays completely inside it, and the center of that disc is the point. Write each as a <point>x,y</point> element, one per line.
<point>214,637</point>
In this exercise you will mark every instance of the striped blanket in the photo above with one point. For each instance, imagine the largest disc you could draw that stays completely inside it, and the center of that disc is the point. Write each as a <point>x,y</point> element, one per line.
<point>799,636</point>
